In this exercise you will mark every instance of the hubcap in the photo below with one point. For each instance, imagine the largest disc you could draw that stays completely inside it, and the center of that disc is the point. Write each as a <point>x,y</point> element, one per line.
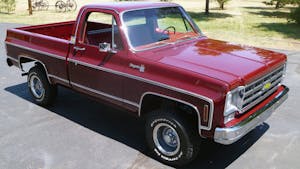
<point>166,139</point>
<point>36,86</point>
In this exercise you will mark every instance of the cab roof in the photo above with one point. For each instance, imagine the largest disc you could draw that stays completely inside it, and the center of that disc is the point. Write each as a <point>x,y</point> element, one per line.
<point>127,6</point>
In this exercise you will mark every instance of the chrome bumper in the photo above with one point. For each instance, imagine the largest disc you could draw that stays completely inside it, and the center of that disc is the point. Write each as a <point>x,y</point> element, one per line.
<point>232,134</point>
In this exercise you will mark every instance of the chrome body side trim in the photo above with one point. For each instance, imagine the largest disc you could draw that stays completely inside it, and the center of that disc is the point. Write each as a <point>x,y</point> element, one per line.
<point>140,79</point>
<point>94,91</point>
<point>232,134</point>
<point>104,94</point>
<point>58,78</point>
<point>37,51</point>
<point>13,59</point>
<point>177,100</point>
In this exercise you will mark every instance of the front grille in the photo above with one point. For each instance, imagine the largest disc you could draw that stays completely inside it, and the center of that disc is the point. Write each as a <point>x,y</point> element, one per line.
<point>256,91</point>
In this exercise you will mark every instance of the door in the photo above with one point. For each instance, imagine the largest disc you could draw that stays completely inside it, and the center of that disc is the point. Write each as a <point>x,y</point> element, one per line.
<point>92,71</point>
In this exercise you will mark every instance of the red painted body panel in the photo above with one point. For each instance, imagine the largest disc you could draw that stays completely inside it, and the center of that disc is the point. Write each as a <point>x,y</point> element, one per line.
<point>232,64</point>
<point>199,71</point>
<point>62,30</point>
<point>52,46</point>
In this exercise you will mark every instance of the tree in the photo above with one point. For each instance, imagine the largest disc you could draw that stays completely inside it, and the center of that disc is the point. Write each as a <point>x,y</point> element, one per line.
<point>29,7</point>
<point>295,15</point>
<point>206,7</point>
<point>222,3</point>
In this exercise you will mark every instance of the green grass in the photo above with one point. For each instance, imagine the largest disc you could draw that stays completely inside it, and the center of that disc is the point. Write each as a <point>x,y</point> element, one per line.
<point>258,26</point>
<point>243,21</point>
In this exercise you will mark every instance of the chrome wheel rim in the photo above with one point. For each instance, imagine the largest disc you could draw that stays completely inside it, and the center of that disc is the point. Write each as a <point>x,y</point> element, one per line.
<point>166,139</point>
<point>36,86</point>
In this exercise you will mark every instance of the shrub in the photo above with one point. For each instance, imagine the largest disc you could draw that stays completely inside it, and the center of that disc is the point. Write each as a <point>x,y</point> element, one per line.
<point>7,5</point>
<point>281,3</point>
<point>295,15</point>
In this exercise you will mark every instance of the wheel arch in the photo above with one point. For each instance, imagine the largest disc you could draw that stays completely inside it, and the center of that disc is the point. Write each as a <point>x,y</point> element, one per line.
<point>32,62</point>
<point>156,98</point>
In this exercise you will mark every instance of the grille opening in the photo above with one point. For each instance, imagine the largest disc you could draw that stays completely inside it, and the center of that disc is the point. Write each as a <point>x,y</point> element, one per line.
<point>263,94</point>
<point>256,92</point>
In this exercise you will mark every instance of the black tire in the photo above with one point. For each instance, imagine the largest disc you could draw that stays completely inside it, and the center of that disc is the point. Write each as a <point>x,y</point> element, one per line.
<point>39,87</point>
<point>188,143</point>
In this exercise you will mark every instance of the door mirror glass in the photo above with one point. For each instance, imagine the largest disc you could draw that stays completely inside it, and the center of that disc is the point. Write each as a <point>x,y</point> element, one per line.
<point>106,47</point>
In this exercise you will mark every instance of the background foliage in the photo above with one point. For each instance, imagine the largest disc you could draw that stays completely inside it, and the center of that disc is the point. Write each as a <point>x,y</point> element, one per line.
<point>281,3</point>
<point>7,6</point>
<point>295,15</point>
<point>247,22</point>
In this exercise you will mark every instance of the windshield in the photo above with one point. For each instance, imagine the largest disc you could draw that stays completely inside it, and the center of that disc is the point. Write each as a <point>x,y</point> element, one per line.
<point>147,28</point>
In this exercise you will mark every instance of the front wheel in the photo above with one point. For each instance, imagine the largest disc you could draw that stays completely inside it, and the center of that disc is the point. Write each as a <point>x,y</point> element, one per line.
<point>170,139</point>
<point>41,90</point>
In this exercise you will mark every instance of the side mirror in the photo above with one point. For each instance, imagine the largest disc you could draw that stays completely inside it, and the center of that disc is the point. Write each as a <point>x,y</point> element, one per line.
<point>105,47</point>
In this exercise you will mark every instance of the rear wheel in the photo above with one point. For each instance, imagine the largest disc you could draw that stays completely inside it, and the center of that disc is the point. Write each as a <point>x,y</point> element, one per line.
<point>170,138</point>
<point>41,90</point>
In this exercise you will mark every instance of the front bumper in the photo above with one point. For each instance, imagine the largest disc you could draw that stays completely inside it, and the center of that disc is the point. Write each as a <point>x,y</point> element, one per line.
<point>230,135</point>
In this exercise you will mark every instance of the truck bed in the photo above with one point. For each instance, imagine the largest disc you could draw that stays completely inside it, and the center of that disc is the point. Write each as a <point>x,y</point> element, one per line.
<point>48,44</point>
<point>61,30</point>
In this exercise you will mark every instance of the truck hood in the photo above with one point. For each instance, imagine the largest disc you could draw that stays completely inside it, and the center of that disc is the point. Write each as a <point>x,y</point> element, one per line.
<point>221,60</point>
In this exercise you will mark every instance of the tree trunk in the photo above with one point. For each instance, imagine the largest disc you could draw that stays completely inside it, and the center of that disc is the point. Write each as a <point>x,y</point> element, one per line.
<point>277,5</point>
<point>207,7</point>
<point>222,5</point>
<point>29,7</point>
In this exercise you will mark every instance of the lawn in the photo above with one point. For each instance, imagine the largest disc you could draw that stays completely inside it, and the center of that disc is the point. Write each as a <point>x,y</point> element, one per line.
<point>247,22</point>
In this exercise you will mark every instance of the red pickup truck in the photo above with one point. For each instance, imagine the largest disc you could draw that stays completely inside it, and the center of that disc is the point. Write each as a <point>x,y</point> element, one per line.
<point>152,60</point>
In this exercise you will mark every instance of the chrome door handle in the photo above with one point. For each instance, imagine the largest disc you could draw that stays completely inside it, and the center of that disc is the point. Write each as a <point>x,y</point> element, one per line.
<point>78,48</point>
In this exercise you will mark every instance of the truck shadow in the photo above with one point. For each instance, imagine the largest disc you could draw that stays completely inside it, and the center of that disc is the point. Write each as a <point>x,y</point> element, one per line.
<point>213,155</point>
<point>129,130</point>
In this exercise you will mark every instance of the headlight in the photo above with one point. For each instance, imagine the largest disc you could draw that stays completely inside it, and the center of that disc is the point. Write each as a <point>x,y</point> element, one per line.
<point>233,103</point>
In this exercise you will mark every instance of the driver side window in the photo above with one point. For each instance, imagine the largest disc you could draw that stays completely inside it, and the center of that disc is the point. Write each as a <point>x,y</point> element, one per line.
<point>101,28</point>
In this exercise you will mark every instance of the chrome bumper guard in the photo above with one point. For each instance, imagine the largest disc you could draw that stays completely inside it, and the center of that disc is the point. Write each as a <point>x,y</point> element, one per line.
<point>232,134</point>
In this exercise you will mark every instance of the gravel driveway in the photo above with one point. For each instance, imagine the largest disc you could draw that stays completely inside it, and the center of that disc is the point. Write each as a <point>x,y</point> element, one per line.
<point>79,133</point>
